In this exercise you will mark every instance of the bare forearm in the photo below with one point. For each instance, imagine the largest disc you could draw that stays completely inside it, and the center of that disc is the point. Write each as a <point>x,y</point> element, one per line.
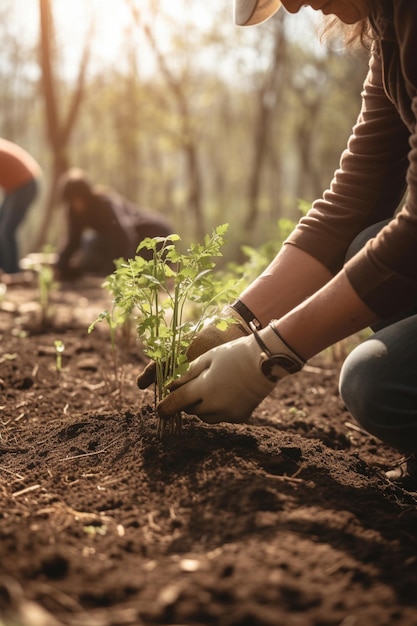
<point>291,277</point>
<point>331,314</point>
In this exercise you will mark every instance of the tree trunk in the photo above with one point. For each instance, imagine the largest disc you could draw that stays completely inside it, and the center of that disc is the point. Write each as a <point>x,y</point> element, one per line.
<point>57,131</point>
<point>186,137</point>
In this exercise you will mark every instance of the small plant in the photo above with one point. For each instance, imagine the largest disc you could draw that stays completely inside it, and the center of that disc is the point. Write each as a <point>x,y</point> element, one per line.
<point>45,284</point>
<point>59,350</point>
<point>163,293</point>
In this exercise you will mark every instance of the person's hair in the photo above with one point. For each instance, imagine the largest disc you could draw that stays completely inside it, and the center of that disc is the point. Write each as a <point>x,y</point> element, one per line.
<point>74,184</point>
<point>352,35</point>
<point>356,35</point>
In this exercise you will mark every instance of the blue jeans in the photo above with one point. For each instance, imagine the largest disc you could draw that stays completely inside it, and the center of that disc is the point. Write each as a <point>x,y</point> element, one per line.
<point>378,384</point>
<point>12,212</point>
<point>378,380</point>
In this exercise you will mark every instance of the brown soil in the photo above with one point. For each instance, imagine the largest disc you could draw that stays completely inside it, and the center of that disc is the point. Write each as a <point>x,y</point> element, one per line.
<point>286,521</point>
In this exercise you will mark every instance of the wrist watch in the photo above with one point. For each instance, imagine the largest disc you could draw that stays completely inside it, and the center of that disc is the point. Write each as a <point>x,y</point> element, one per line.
<point>273,364</point>
<point>246,314</point>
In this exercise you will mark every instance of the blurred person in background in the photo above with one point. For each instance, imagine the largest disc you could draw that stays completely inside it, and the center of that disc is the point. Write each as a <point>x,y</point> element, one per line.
<point>19,178</point>
<point>349,264</point>
<point>100,226</point>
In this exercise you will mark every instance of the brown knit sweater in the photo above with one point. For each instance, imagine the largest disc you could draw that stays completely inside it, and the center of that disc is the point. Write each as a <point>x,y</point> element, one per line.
<point>376,169</point>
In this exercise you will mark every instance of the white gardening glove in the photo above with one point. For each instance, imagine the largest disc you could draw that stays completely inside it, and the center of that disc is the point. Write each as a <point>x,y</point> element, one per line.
<point>209,337</point>
<point>228,382</point>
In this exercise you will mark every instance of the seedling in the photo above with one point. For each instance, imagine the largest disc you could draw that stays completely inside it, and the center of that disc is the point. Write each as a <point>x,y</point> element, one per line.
<point>46,284</point>
<point>161,293</point>
<point>59,349</point>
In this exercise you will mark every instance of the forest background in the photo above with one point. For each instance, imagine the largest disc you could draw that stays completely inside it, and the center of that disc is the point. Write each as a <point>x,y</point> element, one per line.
<point>176,108</point>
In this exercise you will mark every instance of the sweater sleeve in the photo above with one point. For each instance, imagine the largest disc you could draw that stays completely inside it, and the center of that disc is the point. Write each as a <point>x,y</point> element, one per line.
<point>384,273</point>
<point>367,188</point>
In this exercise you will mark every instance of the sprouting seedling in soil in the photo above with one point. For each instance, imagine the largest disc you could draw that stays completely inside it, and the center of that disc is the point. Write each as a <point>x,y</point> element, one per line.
<point>161,291</point>
<point>112,324</point>
<point>46,283</point>
<point>59,350</point>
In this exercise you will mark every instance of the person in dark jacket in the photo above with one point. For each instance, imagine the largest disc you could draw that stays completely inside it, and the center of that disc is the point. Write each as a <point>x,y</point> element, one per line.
<point>19,178</point>
<point>350,263</point>
<point>101,226</point>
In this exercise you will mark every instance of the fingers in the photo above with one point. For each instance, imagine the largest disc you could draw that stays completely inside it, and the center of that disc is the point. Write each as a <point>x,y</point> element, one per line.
<point>185,393</point>
<point>196,368</point>
<point>147,377</point>
<point>185,398</point>
<point>207,339</point>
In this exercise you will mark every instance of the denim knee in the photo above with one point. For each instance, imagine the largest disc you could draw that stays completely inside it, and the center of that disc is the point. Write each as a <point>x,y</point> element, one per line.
<point>378,384</point>
<point>360,381</point>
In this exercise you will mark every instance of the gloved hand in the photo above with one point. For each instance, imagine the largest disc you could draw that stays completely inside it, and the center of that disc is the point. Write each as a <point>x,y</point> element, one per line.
<point>228,382</point>
<point>209,337</point>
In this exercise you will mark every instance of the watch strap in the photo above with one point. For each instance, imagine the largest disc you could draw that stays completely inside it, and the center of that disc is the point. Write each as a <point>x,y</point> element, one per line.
<point>280,361</point>
<point>246,314</point>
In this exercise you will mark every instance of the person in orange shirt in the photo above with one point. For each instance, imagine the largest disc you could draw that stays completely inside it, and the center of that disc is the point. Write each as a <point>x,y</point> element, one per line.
<point>19,179</point>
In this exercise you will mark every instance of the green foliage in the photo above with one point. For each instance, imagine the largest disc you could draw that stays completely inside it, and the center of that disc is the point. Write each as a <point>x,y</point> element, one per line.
<point>171,296</point>
<point>303,206</point>
<point>259,258</point>
<point>46,284</point>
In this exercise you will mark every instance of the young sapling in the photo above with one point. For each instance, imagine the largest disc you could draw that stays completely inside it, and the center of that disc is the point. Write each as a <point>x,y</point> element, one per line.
<point>171,296</point>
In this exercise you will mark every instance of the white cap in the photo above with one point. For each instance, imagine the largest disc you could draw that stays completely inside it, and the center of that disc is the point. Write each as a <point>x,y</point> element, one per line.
<point>248,12</point>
